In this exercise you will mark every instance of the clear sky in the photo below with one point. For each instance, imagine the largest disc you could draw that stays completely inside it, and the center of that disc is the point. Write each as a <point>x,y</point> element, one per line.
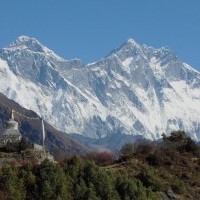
<point>90,29</point>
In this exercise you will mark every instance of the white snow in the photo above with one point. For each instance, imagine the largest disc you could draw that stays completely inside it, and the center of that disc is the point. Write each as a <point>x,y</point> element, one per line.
<point>142,101</point>
<point>127,62</point>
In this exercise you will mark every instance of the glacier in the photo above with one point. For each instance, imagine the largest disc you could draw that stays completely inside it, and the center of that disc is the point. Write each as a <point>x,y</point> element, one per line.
<point>135,90</point>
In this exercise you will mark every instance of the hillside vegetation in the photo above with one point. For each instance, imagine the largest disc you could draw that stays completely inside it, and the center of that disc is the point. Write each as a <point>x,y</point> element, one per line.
<point>75,178</point>
<point>169,169</point>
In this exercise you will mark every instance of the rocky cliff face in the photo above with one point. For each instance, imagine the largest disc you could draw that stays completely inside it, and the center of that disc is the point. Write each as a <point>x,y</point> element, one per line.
<point>136,89</point>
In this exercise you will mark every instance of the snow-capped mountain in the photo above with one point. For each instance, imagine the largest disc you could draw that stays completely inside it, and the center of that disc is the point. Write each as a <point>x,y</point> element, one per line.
<point>136,89</point>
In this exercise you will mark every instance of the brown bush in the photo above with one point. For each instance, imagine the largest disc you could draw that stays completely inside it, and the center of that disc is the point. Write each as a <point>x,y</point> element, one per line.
<point>102,158</point>
<point>144,148</point>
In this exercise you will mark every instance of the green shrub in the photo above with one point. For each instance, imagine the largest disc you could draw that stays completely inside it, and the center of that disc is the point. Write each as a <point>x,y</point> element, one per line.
<point>179,186</point>
<point>149,178</point>
<point>127,152</point>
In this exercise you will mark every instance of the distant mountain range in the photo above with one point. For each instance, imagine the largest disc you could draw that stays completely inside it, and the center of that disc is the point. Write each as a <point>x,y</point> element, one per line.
<point>135,90</point>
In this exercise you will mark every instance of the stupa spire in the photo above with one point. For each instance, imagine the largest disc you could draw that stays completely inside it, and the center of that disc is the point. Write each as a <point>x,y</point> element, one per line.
<point>43,132</point>
<point>12,114</point>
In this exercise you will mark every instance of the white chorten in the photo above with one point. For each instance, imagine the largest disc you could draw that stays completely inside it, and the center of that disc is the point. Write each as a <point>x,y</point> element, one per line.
<point>11,134</point>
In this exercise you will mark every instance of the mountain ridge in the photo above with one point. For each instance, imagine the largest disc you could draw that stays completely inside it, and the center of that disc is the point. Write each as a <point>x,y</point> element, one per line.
<point>136,89</point>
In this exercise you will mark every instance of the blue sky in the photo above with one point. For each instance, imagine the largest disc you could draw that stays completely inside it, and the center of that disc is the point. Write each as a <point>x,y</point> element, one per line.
<point>90,29</point>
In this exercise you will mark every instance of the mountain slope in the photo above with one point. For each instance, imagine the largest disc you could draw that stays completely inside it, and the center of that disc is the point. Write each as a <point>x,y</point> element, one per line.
<point>136,89</point>
<point>57,142</point>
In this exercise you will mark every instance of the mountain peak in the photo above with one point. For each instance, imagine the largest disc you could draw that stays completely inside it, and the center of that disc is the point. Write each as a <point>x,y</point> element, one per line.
<point>129,44</point>
<point>24,38</point>
<point>29,43</point>
<point>131,41</point>
<point>26,42</point>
